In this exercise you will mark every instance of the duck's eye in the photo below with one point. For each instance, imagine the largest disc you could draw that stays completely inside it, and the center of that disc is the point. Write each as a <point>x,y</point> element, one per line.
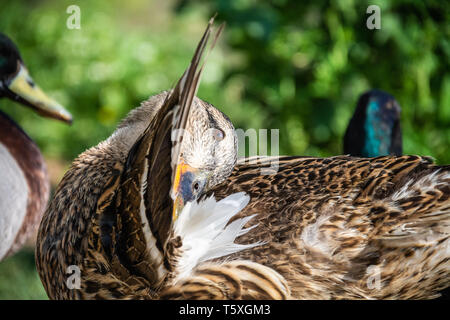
<point>196,186</point>
<point>218,134</point>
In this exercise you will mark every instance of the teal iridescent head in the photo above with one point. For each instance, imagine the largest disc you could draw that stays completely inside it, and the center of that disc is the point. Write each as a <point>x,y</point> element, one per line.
<point>374,129</point>
<point>17,84</point>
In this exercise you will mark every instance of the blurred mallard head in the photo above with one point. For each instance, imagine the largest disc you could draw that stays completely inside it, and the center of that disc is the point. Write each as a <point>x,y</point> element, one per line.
<point>16,84</point>
<point>374,129</point>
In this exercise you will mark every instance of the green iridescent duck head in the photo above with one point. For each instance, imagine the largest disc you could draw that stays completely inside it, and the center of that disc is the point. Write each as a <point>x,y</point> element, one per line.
<point>17,85</point>
<point>374,129</point>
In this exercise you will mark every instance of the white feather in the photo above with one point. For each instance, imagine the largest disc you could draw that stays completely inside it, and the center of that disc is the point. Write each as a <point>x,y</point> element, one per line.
<point>204,231</point>
<point>428,182</point>
<point>13,200</point>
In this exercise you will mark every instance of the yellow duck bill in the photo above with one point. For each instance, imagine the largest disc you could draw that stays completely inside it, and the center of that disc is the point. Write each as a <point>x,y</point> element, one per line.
<point>23,89</point>
<point>185,187</point>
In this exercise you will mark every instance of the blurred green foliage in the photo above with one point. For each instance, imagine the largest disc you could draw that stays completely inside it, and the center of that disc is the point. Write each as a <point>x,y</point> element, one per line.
<point>285,64</point>
<point>123,53</point>
<point>19,279</point>
<point>281,64</point>
<point>304,64</point>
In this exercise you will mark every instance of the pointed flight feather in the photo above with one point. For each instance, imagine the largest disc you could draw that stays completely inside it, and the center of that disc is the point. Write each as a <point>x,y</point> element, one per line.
<point>187,88</point>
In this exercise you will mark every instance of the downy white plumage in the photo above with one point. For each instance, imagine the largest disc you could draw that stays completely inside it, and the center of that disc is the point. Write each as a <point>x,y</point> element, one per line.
<point>205,232</point>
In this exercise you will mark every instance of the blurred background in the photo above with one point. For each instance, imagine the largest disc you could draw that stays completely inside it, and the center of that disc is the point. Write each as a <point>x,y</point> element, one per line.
<point>280,64</point>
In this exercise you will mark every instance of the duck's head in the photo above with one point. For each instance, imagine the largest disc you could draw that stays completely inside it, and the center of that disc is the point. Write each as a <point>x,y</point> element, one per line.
<point>17,84</point>
<point>207,156</point>
<point>374,129</point>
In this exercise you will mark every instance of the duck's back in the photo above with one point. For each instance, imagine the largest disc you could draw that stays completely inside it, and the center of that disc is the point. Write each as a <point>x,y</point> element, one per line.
<point>24,186</point>
<point>334,226</point>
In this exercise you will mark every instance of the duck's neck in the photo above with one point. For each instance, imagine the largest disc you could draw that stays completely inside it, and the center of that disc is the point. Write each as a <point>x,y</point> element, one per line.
<point>25,183</point>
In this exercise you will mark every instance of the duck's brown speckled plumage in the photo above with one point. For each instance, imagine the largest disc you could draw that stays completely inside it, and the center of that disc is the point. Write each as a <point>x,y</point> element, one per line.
<point>327,224</point>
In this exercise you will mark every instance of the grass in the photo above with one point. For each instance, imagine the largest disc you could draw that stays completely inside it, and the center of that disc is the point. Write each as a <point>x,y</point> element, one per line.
<point>19,279</point>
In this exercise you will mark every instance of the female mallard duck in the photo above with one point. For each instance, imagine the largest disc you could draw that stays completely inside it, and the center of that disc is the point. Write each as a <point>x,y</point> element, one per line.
<point>374,129</point>
<point>339,227</point>
<point>24,186</point>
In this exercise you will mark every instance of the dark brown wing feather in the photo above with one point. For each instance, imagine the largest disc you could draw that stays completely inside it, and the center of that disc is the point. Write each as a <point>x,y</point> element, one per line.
<point>187,87</point>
